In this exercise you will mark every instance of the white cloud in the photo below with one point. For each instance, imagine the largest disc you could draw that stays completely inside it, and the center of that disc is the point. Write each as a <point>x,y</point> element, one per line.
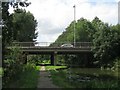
<point>105,11</point>
<point>54,16</point>
<point>117,0</point>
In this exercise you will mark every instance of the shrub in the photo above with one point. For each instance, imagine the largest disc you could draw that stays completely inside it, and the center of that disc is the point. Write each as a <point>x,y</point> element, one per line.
<point>12,65</point>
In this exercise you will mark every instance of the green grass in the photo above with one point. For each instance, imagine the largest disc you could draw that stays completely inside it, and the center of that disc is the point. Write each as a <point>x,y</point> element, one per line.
<point>69,78</point>
<point>44,62</point>
<point>100,78</point>
<point>58,75</point>
<point>28,78</point>
<point>54,67</point>
<point>94,71</point>
<point>58,78</point>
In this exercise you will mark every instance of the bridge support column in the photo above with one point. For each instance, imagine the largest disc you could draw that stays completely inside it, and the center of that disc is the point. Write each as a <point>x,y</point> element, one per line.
<point>24,58</point>
<point>86,60</point>
<point>55,57</point>
<point>52,59</point>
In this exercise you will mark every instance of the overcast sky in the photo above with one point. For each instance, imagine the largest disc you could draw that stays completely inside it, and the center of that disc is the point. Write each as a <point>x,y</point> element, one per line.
<point>53,16</point>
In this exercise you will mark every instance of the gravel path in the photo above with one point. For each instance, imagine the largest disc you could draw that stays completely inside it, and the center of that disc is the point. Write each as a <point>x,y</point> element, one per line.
<point>44,81</point>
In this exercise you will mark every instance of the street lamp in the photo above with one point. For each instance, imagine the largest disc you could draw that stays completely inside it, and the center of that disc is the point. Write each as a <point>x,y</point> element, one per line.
<point>74,23</point>
<point>119,12</point>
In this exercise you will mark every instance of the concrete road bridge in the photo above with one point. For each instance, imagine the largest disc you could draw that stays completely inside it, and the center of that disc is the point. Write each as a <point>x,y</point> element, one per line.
<point>53,49</point>
<point>50,47</point>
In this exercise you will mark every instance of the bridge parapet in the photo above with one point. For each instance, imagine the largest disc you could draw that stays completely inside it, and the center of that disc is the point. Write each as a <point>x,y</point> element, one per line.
<point>51,44</point>
<point>31,44</point>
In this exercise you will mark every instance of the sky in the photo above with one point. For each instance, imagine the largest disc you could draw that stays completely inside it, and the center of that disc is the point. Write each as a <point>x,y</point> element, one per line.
<point>53,16</point>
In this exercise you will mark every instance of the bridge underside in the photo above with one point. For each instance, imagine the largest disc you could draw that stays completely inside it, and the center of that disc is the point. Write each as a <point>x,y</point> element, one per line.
<point>53,51</point>
<point>57,51</point>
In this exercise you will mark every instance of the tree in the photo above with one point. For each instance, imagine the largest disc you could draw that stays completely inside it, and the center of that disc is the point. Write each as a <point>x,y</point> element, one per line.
<point>106,41</point>
<point>83,27</point>
<point>11,59</point>
<point>24,26</point>
<point>7,20</point>
<point>7,28</point>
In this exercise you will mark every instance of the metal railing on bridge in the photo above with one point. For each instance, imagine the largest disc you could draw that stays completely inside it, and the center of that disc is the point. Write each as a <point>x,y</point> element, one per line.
<point>52,44</point>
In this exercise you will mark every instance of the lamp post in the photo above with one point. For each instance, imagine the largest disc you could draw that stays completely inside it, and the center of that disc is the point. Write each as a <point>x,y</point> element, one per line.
<point>119,12</point>
<point>74,23</point>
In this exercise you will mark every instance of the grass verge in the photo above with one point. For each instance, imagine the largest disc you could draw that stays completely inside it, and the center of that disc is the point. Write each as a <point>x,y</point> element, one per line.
<point>83,78</point>
<point>27,79</point>
<point>58,75</point>
<point>55,67</point>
